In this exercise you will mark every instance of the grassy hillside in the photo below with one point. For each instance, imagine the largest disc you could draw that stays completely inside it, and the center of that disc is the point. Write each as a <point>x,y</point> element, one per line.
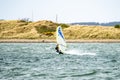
<point>92,32</point>
<point>20,29</point>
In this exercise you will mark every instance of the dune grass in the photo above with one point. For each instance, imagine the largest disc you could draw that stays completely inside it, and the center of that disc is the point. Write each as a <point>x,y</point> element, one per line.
<point>92,32</point>
<point>16,29</point>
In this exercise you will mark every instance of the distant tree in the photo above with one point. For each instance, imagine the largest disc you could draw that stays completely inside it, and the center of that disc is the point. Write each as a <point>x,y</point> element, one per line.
<point>25,20</point>
<point>1,19</point>
<point>117,26</point>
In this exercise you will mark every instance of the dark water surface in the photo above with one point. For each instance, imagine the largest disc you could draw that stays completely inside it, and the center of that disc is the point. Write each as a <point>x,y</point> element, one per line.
<point>39,61</point>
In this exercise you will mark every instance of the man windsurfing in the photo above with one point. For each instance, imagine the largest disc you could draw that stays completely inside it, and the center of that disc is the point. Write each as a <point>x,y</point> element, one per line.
<point>57,49</point>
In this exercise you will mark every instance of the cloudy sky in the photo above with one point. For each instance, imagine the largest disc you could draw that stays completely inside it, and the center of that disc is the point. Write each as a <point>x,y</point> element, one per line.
<point>67,11</point>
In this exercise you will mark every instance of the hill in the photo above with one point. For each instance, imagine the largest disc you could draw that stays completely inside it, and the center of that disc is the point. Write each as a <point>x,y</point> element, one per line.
<point>91,32</point>
<point>20,29</point>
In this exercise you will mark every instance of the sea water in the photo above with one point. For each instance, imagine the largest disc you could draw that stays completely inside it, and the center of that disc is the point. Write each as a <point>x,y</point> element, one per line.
<point>39,61</point>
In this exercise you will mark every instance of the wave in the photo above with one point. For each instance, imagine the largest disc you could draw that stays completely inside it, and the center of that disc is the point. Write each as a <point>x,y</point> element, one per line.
<point>85,74</point>
<point>79,52</point>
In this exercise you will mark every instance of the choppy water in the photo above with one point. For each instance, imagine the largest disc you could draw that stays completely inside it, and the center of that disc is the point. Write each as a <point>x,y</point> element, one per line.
<point>39,61</point>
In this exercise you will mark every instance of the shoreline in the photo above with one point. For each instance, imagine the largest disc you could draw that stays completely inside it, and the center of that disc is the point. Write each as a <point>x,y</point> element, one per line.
<point>54,41</point>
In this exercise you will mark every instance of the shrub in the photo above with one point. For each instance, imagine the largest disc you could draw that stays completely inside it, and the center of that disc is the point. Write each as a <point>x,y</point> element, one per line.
<point>41,28</point>
<point>25,20</point>
<point>44,28</point>
<point>64,25</point>
<point>49,33</point>
<point>117,26</point>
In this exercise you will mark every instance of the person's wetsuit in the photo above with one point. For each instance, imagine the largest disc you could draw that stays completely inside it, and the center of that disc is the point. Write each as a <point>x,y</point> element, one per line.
<point>57,49</point>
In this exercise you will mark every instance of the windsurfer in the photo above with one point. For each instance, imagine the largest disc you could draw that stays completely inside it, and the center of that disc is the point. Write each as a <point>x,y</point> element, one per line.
<point>57,49</point>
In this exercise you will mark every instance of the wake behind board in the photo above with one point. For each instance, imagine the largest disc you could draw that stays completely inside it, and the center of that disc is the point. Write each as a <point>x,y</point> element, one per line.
<point>60,40</point>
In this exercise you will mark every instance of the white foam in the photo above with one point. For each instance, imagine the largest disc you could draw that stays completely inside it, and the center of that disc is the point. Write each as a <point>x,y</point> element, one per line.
<point>79,52</point>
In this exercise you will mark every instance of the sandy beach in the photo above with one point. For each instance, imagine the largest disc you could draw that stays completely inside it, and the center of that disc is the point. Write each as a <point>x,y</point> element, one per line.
<point>53,41</point>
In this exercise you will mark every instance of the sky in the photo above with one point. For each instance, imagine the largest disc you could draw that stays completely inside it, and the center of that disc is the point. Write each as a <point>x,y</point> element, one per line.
<point>67,11</point>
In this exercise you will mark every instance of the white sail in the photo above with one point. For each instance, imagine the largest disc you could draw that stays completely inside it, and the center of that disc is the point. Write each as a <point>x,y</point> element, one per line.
<point>60,39</point>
